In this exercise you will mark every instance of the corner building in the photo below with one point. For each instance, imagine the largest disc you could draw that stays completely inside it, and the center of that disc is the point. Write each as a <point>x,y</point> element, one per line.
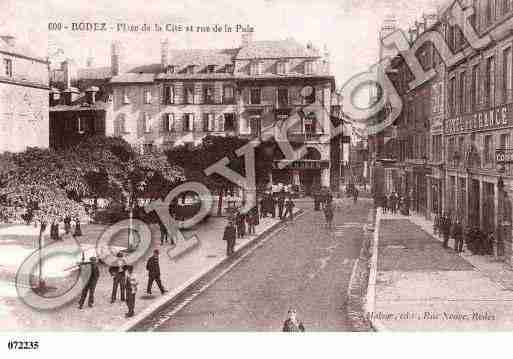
<point>239,91</point>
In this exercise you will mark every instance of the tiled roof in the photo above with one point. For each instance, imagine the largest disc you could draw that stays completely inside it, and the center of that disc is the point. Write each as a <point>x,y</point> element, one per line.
<point>130,77</point>
<point>275,49</point>
<point>18,49</point>
<point>80,104</point>
<point>201,58</point>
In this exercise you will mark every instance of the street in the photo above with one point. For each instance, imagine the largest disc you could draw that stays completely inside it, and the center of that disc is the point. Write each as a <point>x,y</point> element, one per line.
<point>304,266</point>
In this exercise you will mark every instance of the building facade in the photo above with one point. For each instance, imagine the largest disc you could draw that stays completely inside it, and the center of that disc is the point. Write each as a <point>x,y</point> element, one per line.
<point>24,92</point>
<point>479,120</point>
<point>242,91</point>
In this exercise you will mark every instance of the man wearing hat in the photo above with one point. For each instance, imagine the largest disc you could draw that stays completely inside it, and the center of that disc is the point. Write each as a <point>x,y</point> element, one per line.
<point>117,271</point>
<point>153,268</point>
<point>131,290</point>
<point>91,284</point>
<point>230,235</point>
<point>292,324</point>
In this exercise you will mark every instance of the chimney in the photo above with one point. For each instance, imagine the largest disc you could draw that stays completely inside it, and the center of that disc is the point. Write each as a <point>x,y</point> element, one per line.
<point>430,20</point>
<point>246,39</point>
<point>9,39</point>
<point>68,71</point>
<point>91,94</point>
<point>90,61</point>
<point>164,54</point>
<point>116,59</point>
<point>70,95</point>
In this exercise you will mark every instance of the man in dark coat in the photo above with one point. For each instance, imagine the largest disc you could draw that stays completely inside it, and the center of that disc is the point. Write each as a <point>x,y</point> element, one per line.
<point>446,230</point>
<point>289,209</point>
<point>230,236</point>
<point>458,237</point>
<point>91,284</point>
<point>153,268</point>
<point>131,290</point>
<point>291,324</point>
<point>281,203</point>
<point>117,271</point>
<point>355,195</point>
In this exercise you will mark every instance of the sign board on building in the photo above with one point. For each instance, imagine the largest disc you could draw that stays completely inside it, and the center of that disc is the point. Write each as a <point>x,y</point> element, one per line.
<point>303,165</point>
<point>499,117</point>
<point>504,155</point>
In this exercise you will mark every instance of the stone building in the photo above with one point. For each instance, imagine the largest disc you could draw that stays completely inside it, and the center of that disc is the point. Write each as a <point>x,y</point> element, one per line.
<point>239,91</point>
<point>24,92</point>
<point>479,120</point>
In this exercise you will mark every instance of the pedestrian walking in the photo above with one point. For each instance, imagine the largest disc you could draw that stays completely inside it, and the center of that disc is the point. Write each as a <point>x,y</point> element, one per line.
<point>90,286</point>
<point>289,209</point>
<point>78,229</point>
<point>251,219</point>
<point>355,195</point>
<point>458,237</point>
<point>67,224</point>
<point>328,213</point>
<point>153,268</point>
<point>281,203</point>
<point>131,290</point>
<point>54,231</point>
<point>446,230</point>
<point>241,224</point>
<point>292,324</point>
<point>117,271</point>
<point>230,237</point>
<point>164,236</point>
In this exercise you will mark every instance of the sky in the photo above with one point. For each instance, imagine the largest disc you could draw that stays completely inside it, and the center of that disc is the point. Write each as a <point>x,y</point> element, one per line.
<point>349,28</point>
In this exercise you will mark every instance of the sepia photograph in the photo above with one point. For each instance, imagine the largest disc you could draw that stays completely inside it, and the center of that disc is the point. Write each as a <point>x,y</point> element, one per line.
<point>255,167</point>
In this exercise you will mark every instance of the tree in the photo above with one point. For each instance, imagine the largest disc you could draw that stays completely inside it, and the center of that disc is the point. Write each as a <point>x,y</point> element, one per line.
<point>194,161</point>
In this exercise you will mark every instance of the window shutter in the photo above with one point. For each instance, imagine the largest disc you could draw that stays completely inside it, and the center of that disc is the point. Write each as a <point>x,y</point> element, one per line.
<point>221,123</point>
<point>162,94</point>
<point>164,122</point>
<point>211,122</point>
<point>198,125</point>
<point>245,95</point>
<point>198,93</point>
<point>218,92</point>
<point>191,122</point>
<point>179,93</point>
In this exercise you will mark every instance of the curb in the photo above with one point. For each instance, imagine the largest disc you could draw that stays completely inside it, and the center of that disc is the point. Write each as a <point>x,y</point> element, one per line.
<point>164,300</point>
<point>370,298</point>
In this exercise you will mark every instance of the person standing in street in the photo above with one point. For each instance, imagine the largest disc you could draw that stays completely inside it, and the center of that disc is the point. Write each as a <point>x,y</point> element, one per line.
<point>251,219</point>
<point>458,237</point>
<point>292,324</point>
<point>153,268</point>
<point>230,237</point>
<point>355,195</point>
<point>91,284</point>
<point>289,209</point>
<point>328,213</point>
<point>131,290</point>
<point>281,203</point>
<point>117,271</point>
<point>164,236</point>
<point>446,230</point>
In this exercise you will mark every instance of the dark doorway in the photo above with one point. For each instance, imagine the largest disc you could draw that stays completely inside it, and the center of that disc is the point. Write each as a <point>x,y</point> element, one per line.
<point>310,180</point>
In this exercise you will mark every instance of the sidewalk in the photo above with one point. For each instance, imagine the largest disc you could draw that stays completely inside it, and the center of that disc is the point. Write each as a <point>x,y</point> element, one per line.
<point>422,286</point>
<point>176,273</point>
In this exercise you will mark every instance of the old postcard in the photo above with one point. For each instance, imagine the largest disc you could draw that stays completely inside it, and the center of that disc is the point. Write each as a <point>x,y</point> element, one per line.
<point>264,166</point>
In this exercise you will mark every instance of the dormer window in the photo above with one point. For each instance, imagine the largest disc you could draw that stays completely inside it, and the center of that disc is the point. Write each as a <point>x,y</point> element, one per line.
<point>282,67</point>
<point>170,70</point>
<point>309,67</point>
<point>211,69</point>
<point>256,68</point>
<point>190,69</point>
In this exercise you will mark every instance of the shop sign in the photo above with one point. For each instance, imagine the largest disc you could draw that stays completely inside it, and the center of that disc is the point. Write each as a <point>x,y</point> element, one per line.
<point>303,165</point>
<point>504,155</point>
<point>497,118</point>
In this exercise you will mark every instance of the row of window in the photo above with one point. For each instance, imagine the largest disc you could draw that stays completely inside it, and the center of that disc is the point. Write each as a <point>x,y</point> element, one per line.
<point>282,68</point>
<point>7,68</point>
<point>208,92</point>
<point>465,93</point>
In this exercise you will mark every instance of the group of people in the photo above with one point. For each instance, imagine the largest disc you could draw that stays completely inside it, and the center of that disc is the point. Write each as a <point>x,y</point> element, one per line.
<point>278,204</point>
<point>124,281</point>
<point>54,229</point>
<point>476,240</point>
<point>393,203</point>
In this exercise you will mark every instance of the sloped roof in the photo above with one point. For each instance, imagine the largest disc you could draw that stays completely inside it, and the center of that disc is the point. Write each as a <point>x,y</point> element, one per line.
<point>275,49</point>
<point>80,104</point>
<point>201,57</point>
<point>131,77</point>
<point>18,49</point>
